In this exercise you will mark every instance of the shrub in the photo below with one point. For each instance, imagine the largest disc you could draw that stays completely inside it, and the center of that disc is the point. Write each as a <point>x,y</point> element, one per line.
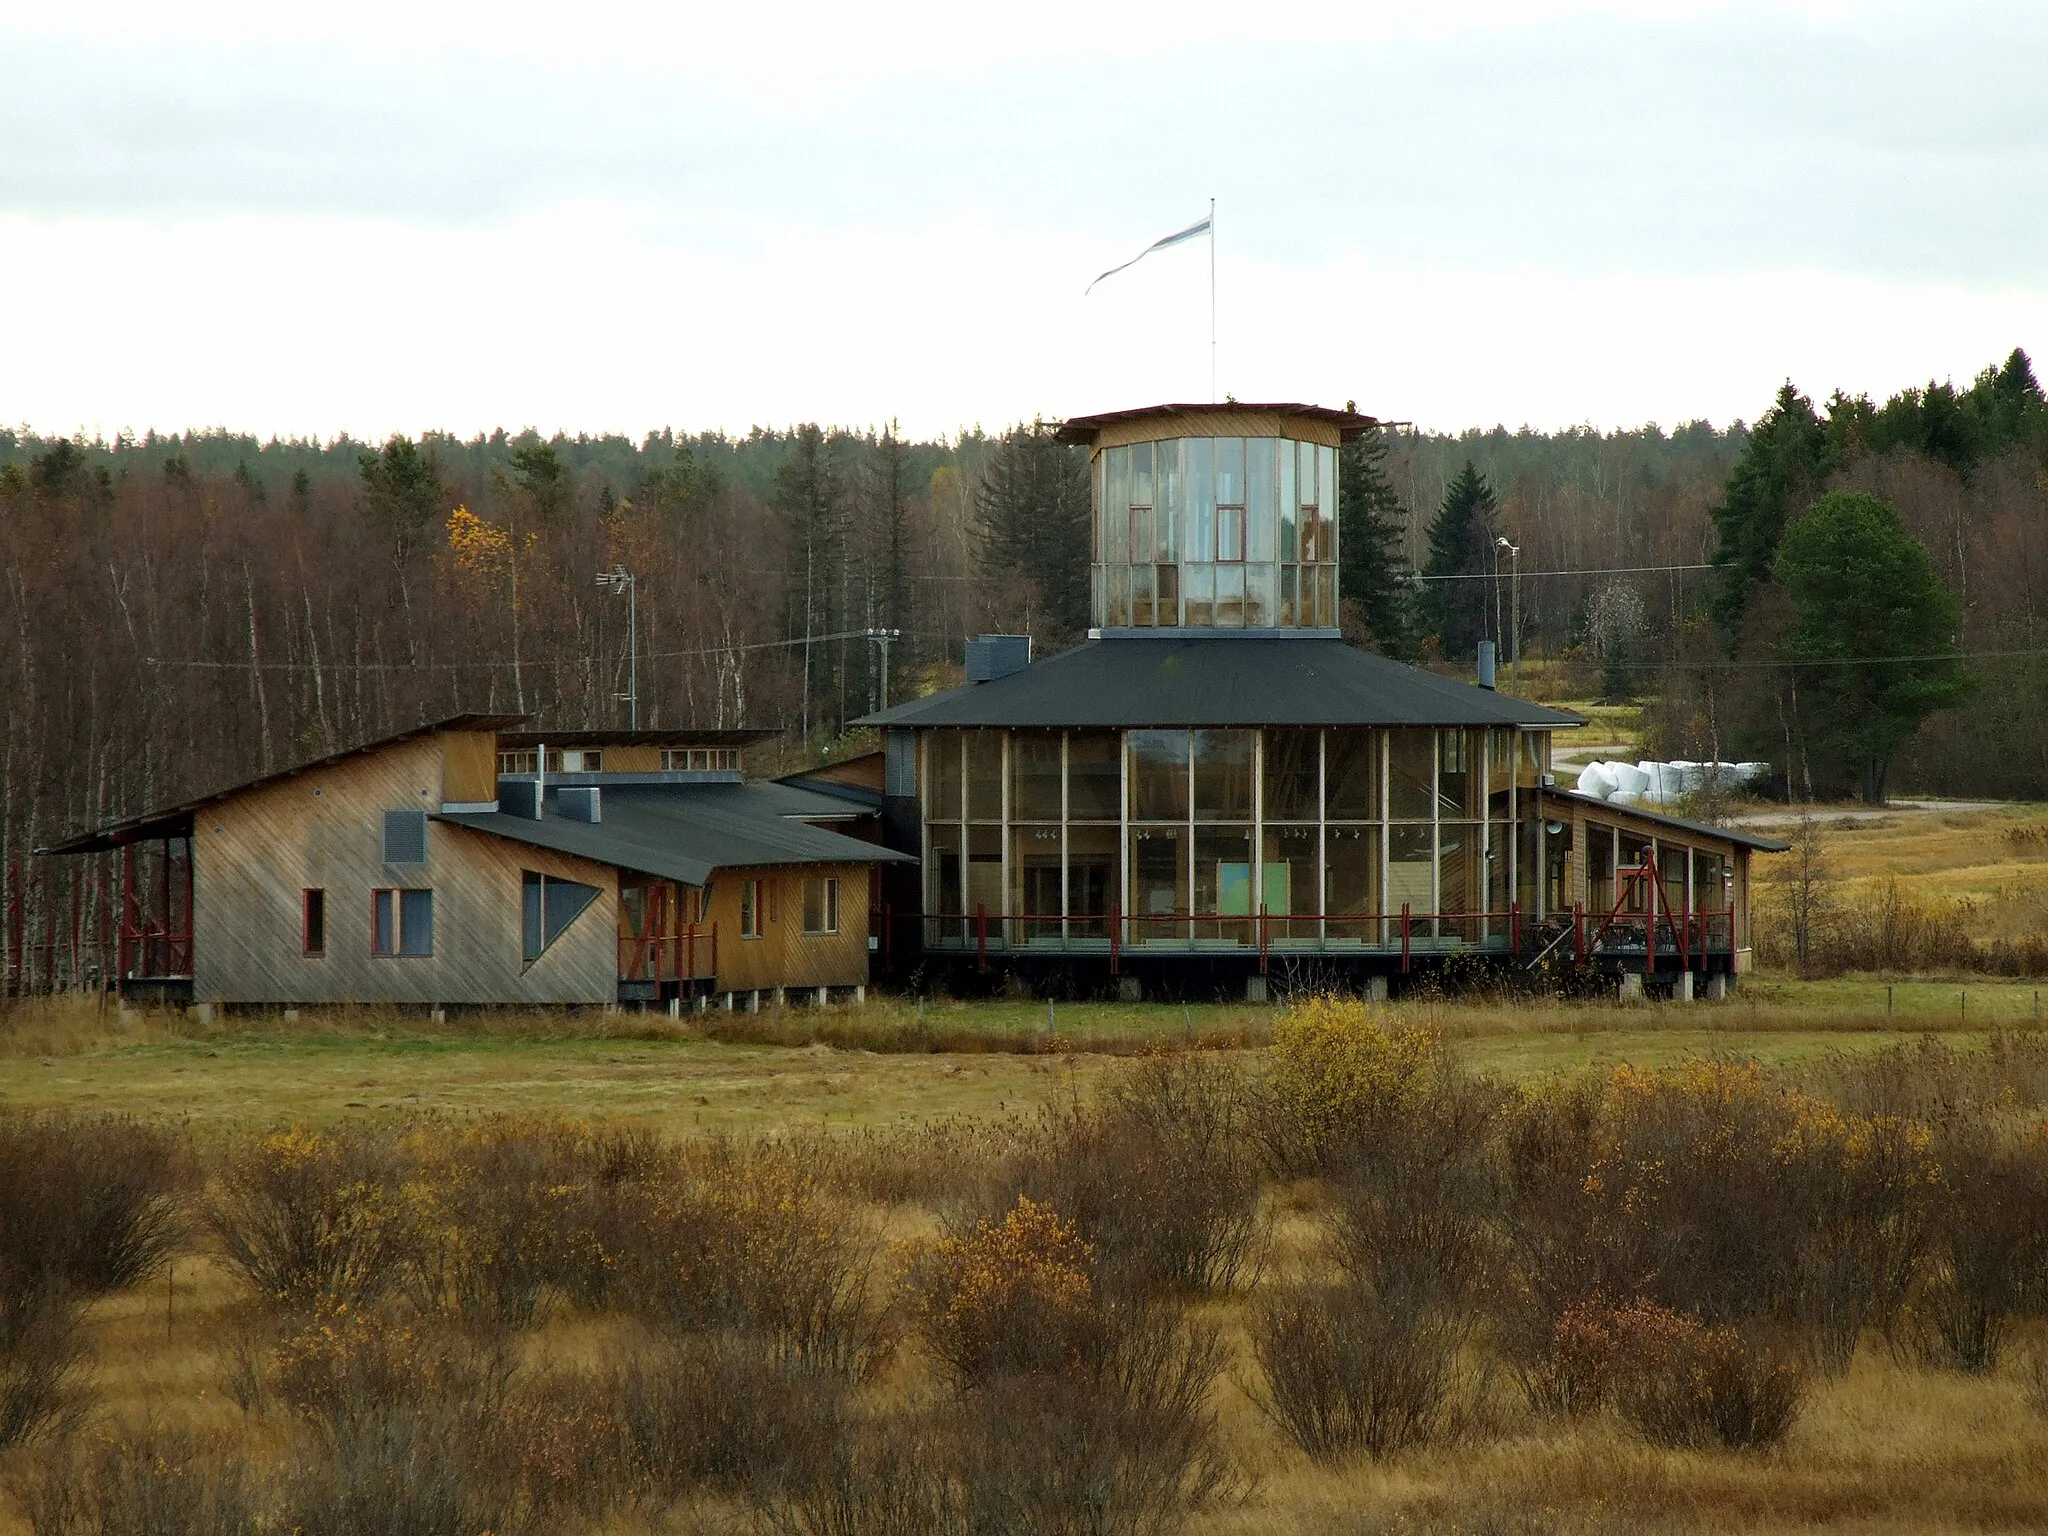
<point>39,1356</point>
<point>1346,1370</point>
<point>347,1366</point>
<point>424,1468</point>
<point>1342,1083</point>
<point>1989,1256</point>
<point>749,1239</point>
<point>1685,1385</point>
<point>1008,1297</point>
<point>311,1216</point>
<point>148,1482</point>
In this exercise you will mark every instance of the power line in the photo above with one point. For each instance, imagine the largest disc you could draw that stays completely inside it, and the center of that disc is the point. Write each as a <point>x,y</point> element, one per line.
<point>1612,570</point>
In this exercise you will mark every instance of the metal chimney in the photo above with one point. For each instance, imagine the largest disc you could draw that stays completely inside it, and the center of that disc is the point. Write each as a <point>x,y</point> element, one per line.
<point>1486,649</point>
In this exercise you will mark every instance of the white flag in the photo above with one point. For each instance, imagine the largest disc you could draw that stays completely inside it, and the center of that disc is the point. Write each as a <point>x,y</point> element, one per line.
<point>1201,227</point>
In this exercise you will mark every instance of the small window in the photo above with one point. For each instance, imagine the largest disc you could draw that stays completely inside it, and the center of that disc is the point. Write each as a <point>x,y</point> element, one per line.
<point>313,922</point>
<point>550,906</point>
<point>753,908</point>
<point>701,759</point>
<point>517,762</point>
<point>821,906</point>
<point>402,922</point>
<point>591,761</point>
<point>405,837</point>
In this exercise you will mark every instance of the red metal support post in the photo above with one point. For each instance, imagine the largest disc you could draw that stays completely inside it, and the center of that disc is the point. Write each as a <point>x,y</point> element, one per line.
<point>1262,939</point>
<point>1405,925</point>
<point>1650,922</point>
<point>1116,934</point>
<point>981,935</point>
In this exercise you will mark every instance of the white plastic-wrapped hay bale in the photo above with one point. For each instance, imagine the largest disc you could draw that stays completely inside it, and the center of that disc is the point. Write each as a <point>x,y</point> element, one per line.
<point>1595,780</point>
<point>1753,773</point>
<point>1629,779</point>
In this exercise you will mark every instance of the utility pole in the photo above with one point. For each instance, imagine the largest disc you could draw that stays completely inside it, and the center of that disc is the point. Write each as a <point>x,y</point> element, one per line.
<point>882,637</point>
<point>616,580</point>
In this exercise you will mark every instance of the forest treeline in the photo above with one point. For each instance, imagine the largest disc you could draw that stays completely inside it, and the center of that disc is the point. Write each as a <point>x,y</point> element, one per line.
<point>181,612</point>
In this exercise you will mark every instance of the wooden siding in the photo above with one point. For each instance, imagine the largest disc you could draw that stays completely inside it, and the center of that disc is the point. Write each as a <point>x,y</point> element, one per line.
<point>1303,429</point>
<point>1578,886</point>
<point>469,767</point>
<point>785,956</point>
<point>863,772</point>
<point>634,759</point>
<point>254,855</point>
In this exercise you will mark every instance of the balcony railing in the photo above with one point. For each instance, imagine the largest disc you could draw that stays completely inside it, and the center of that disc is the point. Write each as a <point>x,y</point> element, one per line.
<point>691,955</point>
<point>152,952</point>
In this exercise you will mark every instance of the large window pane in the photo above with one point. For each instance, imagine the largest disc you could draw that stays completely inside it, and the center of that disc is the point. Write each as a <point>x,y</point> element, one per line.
<point>1035,881</point>
<point>1095,790</point>
<point>1199,454</point>
<point>1116,501</point>
<point>1166,499</point>
<point>1352,872</point>
<point>1287,883</point>
<point>985,872</point>
<point>942,771</point>
<point>1223,775</point>
<point>1159,775</point>
<point>1259,505</point>
<point>1035,776</point>
<point>1141,535</point>
<point>1291,773</point>
<point>984,775</point>
<point>1159,881</point>
<point>1230,471</point>
<point>1198,595</point>
<point>1094,878</point>
<point>1141,596</point>
<point>1410,860</point>
<point>1458,785</point>
<point>945,880</point>
<point>1353,787</point>
<point>1290,506</point>
<point>1260,583</point>
<point>1305,474</point>
<point>1326,491</point>
<point>1499,835</point>
<point>1223,883</point>
<point>1166,606</point>
<point>1290,579</point>
<point>1229,533</point>
<point>1459,872</point>
<point>1411,766</point>
<point>1599,869</point>
<point>1230,597</point>
<point>1141,474</point>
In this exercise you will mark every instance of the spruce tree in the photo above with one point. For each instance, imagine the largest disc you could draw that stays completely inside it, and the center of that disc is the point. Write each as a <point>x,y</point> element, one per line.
<point>1787,461</point>
<point>1033,511</point>
<point>1455,612</point>
<point>1371,572</point>
<point>809,495</point>
<point>402,490</point>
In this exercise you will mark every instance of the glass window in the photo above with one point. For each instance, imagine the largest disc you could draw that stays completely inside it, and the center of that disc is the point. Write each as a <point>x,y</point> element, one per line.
<point>1459,870</point>
<point>1230,597</point>
<point>1326,595</point>
<point>1200,490</point>
<point>753,908</point>
<point>1166,606</point>
<point>313,922</point>
<point>942,770</point>
<point>1117,599</point>
<point>1166,499</point>
<point>984,775</point>
<point>1141,595</point>
<point>1411,857</point>
<point>402,922</point>
<point>1411,765</point>
<point>1259,507</point>
<point>1498,840</point>
<point>1223,775</point>
<point>1141,534</point>
<point>1353,786</point>
<point>1094,877</point>
<point>945,890</point>
<point>1198,593</point>
<point>1352,871</point>
<point>550,905</point>
<point>1458,781</point>
<point>1288,880</point>
<point>1141,475</point>
<point>1709,885</point>
<point>1229,471</point>
<point>1305,474</point>
<point>1095,788</point>
<point>1291,774</point>
<point>1223,878</point>
<point>1034,776</point>
<point>1116,500</point>
<point>1290,506</point>
<point>1599,867</point>
<point>1326,495</point>
<point>1035,878</point>
<point>1159,775</point>
<point>985,869</point>
<point>1289,599</point>
<point>821,905</point>
<point>1260,584</point>
<point>1159,877</point>
<point>1230,533</point>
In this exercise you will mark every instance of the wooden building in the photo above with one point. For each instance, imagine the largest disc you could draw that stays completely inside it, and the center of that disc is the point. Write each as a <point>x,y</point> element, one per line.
<point>1215,786</point>
<point>471,862</point>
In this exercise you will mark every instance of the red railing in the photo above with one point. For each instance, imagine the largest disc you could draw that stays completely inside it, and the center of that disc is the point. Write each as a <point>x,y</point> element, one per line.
<point>687,956</point>
<point>152,952</point>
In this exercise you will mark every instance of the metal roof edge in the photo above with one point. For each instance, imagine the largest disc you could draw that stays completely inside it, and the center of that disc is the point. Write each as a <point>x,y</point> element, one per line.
<point>1731,834</point>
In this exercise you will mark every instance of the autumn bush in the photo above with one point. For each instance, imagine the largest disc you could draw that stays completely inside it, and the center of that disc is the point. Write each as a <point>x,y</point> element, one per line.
<point>1342,1084</point>
<point>143,1481</point>
<point>1685,1385</point>
<point>308,1217</point>
<point>1988,1251</point>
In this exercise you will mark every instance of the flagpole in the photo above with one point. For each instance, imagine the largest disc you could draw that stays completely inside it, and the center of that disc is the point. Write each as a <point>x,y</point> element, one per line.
<point>1212,301</point>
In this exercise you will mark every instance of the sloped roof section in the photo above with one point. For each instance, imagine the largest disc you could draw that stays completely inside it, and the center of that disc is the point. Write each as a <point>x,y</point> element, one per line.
<point>176,820</point>
<point>1214,679</point>
<point>685,832</point>
<point>1643,813</point>
<point>1085,429</point>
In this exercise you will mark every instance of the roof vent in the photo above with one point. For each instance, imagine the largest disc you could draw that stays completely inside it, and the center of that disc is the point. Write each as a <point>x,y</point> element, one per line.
<point>1486,663</point>
<point>520,797</point>
<point>580,803</point>
<point>994,656</point>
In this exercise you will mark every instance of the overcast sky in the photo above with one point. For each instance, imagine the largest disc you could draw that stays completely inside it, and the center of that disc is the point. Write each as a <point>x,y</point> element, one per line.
<point>612,217</point>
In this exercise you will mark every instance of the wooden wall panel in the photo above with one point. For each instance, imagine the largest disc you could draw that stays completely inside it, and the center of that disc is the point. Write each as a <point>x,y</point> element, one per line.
<point>254,855</point>
<point>785,956</point>
<point>469,766</point>
<point>633,759</point>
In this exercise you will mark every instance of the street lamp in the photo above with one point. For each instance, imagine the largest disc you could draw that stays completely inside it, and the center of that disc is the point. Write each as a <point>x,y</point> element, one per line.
<point>1514,611</point>
<point>616,580</point>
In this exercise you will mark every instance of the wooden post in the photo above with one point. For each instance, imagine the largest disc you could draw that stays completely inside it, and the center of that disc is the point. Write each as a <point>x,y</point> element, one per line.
<point>1650,922</point>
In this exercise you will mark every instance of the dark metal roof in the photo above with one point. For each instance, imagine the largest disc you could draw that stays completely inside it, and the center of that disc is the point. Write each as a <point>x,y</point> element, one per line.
<point>1217,679</point>
<point>1349,424</point>
<point>686,831</point>
<point>1703,829</point>
<point>176,820</point>
<point>679,737</point>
